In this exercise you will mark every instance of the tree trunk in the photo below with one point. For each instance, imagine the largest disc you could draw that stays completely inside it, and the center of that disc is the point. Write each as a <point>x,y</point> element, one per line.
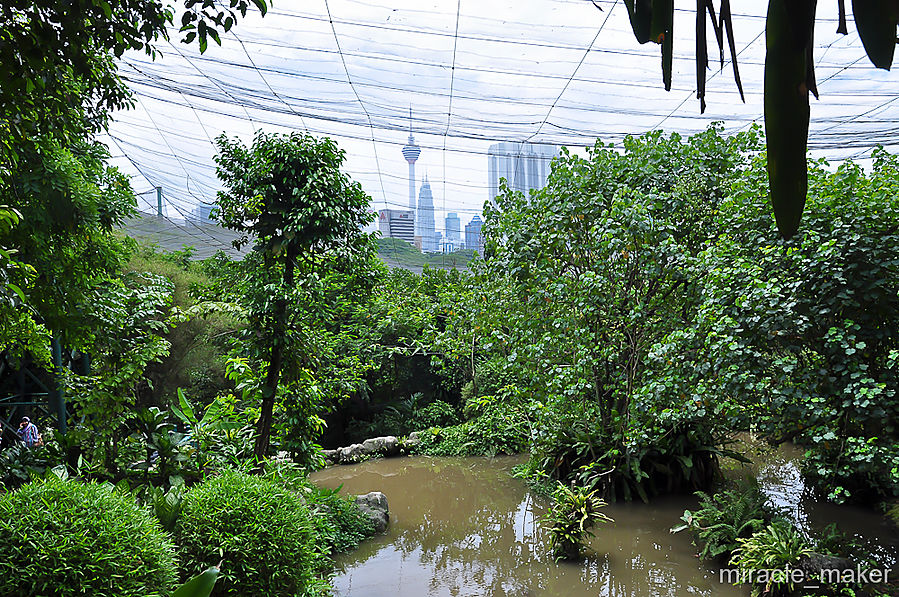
<point>273,374</point>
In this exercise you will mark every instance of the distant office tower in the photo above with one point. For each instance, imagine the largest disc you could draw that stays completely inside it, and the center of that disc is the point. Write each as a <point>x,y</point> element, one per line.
<point>525,166</point>
<point>453,227</point>
<point>473,237</point>
<point>203,212</point>
<point>397,223</point>
<point>424,222</point>
<point>411,152</point>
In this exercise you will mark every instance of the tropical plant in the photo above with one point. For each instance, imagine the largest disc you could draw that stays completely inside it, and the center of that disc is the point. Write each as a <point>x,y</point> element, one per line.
<point>789,75</point>
<point>776,548</point>
<point>65,537</point>
<point>570,518</point>
<point>725,517</point>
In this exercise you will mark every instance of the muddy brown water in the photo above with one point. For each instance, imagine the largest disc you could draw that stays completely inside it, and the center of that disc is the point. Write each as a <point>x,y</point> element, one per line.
<point>464,527</point>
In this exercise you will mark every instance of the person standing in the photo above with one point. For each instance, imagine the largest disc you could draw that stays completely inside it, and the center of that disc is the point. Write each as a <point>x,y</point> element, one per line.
<point>27,432</point>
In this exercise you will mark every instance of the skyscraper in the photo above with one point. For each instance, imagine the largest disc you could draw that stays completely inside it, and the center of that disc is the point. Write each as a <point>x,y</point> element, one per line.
<point>453,227</point>
<point>525,166</point>
<point>411,152</point>
<point>473,237</point>
<point>424,221</point>
<point>397,223</point>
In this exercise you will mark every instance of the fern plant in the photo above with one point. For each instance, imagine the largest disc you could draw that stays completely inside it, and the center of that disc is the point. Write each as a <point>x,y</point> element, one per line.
<point>778,546</point>
<point>570,519</point>
<point>724,518</point>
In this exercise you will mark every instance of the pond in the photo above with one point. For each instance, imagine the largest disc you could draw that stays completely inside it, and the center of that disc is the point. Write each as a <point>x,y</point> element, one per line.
<point>464,527</point>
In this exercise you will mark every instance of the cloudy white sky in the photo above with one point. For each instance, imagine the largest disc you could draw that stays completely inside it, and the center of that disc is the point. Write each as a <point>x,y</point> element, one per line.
<point>474,72</point>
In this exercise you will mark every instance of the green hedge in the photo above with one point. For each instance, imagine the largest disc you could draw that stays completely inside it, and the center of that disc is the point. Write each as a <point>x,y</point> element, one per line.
<point>64,537</point>
<point>260,529</point>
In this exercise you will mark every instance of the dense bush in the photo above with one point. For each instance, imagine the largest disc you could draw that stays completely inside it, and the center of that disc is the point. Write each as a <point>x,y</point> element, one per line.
<point>499,429</point>
<point>260,529</point>
<point>65,537</point>
<point>338,523</point>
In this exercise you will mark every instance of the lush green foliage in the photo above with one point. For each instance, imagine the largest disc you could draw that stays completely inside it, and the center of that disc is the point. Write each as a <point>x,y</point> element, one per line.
<point>572,515</point>
<point>288,192</point>
<point>585,279</point>
<point>776,547</point>
<point>499,428</point>
<point>259,528</point>
<point>65,537</point>
<point>725,517</point>
<point>801,335</point>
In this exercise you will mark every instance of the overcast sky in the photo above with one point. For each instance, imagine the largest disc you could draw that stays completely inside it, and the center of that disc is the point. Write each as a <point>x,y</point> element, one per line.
<point>551,71</point>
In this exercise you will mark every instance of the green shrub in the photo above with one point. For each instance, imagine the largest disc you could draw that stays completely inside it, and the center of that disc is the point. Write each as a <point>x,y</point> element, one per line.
<point>436,414</point>
<point>339,524</point>
<point>65,537</point>
<point>570,519</point>
<point>500,428</point>
<point>724,518</point>
<point>258,527</point>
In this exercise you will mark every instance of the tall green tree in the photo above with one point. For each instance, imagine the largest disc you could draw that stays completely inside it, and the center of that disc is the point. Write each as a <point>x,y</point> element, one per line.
<point>287,195</point>
<point>71,204</point>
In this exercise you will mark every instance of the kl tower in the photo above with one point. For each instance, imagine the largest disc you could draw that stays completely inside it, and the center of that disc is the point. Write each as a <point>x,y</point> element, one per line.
<point>411,152</point>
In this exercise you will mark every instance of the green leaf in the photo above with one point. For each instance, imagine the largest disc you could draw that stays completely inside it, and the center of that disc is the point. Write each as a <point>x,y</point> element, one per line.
<point>199,586</point>
<point>640,13</point>
<point>789,37</point>
<point>186,409</point>
<point>876,23</point>
<point>261,5</point>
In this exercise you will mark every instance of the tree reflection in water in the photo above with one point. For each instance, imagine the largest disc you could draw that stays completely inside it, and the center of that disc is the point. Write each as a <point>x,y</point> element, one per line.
<point>463,526</point>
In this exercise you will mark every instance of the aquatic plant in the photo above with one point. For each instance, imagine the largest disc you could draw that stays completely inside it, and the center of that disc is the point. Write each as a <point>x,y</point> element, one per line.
<point>725,517</point>
<point>575,511</point>
<point>779,546</point>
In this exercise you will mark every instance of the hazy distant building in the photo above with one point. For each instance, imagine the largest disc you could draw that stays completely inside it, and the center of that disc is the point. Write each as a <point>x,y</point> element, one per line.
<point>474,239</point>
<point>453,227</point>
<point>525,166</point>
<point>397,223</point>
<point>203,212</point>
<point>424,220</point>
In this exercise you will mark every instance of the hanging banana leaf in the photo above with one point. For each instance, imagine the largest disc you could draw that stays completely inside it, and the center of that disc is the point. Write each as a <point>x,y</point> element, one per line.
<point>653,20</point>
<point>727,25</point>
<point>841,23</point>
<point>876,23</point>
<point>640,13</point>
<point>788,79</point>
<point>663,33</point>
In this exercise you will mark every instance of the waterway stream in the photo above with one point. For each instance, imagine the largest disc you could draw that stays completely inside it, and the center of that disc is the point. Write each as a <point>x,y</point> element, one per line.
<point>464,527</point>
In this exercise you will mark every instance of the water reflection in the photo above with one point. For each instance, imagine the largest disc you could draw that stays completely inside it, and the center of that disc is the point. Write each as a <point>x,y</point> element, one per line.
<point>464,527</point>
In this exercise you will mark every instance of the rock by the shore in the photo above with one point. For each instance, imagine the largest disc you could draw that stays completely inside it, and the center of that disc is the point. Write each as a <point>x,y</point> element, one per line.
<point>413,440</point>
<point>374,505</point>
<point>353,453</point>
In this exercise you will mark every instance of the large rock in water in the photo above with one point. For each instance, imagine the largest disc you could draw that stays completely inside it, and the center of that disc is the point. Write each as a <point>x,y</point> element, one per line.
<point>814,563</point>
<point>374,505</point>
